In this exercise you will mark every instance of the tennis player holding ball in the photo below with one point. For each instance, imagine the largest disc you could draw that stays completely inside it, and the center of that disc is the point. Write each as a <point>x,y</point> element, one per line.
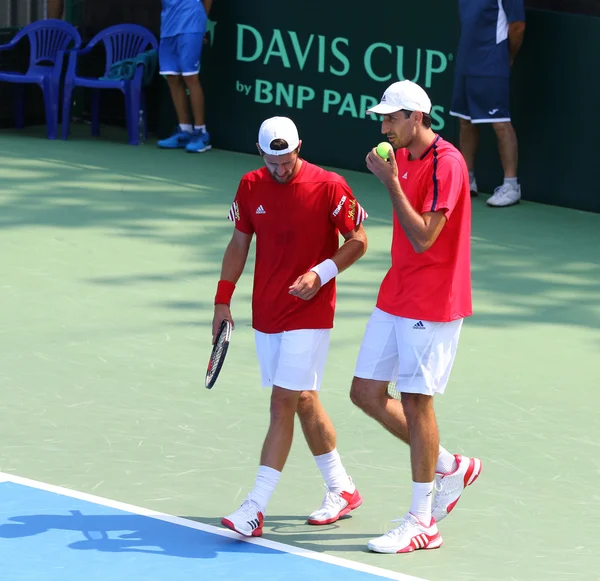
<point>297,211</point>
<point>412,335</point>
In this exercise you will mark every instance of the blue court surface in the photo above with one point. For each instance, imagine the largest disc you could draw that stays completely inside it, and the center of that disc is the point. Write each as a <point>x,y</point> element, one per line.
<point>50,533</point>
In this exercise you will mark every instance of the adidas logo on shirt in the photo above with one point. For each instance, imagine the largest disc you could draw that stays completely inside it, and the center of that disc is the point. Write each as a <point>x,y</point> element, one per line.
<point>260,210</point>
<point>419,326</point>
<point>405,176</point>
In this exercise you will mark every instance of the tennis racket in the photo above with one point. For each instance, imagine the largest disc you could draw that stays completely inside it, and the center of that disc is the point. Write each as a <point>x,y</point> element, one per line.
<point>217,356</point>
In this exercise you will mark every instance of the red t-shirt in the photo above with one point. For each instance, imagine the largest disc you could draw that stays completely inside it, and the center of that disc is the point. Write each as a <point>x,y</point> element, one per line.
<point>434,285</point>
<point>297,226</point>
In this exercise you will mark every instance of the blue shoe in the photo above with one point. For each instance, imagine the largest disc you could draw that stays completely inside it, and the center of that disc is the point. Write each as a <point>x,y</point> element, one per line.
<point>177,141</point>
<point>199,143</point>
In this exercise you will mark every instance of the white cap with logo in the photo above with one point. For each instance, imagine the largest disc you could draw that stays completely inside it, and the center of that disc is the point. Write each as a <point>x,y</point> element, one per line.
<point>404,95</point>
<point>278,128</point>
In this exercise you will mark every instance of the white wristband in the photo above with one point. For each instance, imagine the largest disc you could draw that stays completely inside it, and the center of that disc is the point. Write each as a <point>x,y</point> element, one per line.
<point>326,271</point>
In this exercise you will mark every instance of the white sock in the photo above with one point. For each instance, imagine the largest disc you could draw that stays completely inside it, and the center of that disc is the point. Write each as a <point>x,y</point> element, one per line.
<point>511,181</point>
<point>333,472</point>
<point>199,127</point>
<point>421,501</point>
<point>471,176</point>
<point>186,127</point>
<point>446,462</point>
<point>266,481</point>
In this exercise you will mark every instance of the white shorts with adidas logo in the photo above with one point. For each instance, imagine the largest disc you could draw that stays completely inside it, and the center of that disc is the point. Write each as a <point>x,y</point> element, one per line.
<point>293,360</point>
<point>417,355</point>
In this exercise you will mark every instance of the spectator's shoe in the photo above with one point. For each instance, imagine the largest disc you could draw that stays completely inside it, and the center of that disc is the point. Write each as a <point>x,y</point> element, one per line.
<point>505,195</point>
<point>199,143</point>
<point>473,187</point>
<point>177,141</point>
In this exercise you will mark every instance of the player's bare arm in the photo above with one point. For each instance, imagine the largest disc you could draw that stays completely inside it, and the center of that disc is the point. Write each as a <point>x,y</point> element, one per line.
<point>516,33</point>
<point>307,285</point>
<point>421,229</point>
<point>233,265</point>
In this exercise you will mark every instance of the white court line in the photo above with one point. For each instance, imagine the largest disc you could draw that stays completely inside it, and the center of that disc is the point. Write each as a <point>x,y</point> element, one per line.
<point>176,520</point>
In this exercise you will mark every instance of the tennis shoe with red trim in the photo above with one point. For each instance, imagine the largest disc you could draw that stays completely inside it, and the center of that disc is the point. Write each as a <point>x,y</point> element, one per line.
<point>335,505</point>
<point>449,487</point>
<point>246,520</point>
<point>411,535</point>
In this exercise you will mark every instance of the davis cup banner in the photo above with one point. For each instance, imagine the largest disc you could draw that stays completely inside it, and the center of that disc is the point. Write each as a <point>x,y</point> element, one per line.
<point>323,64</point>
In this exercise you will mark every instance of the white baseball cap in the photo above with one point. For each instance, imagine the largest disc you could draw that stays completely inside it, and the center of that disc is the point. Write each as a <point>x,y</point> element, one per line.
<point>404,95</point>
<point>278,128</point>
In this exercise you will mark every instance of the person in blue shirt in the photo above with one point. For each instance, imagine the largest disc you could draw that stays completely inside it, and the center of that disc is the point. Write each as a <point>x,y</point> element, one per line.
<point>182,28</point>
<point>491,34</point>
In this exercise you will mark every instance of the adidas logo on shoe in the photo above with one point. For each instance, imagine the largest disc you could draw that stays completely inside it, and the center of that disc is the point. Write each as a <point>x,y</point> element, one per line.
<point>419,326</point>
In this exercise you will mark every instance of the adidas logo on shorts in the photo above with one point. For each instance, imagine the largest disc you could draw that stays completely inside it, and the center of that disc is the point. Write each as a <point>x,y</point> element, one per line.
<point>419,326</point>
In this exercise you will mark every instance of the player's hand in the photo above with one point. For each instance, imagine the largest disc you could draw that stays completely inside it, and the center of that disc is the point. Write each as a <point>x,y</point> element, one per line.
<point>222,313</point>
<point>386,171</point>
<point>306,286</point>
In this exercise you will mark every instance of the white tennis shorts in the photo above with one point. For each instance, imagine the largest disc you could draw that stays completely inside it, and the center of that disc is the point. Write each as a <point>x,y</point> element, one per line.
<point>293,360</point>
<point>417,355</point>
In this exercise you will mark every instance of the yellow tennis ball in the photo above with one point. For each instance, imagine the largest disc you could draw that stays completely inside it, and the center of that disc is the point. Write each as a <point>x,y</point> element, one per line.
<point>384,150</point>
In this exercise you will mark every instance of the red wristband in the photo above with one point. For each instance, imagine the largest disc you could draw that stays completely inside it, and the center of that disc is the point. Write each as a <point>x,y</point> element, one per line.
<point>225,290</point>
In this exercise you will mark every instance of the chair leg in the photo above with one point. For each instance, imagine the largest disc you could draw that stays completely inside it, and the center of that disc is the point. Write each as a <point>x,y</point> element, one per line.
<point>132,107</point>
<point>51,106</point>
<point>66,112</point>
<point>96,112</point>
<point>19,93</point>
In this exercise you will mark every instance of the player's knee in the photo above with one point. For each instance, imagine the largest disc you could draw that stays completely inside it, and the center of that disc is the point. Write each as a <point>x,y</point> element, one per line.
<point>307,403</point>
<point>415,405</point>
<point>361,397</point>
<point>464,123</point>
<point>284,404</point>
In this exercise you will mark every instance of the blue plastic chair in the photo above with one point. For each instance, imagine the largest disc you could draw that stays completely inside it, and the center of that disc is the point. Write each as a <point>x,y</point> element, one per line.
<point>49,40</point>
<point>121,42</point>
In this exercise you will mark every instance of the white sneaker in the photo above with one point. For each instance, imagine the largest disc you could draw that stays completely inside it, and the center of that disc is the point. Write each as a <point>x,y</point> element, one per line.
<point>449,487</point>
<point>410,536</point>
<point>473,188</point>
<point>246,520</point>
<point>335,505</point>
<point>505,195</point>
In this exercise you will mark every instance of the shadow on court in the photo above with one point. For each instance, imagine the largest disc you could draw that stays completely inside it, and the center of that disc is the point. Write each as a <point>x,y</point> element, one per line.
<point>140,534</point>
<point>535,263</point>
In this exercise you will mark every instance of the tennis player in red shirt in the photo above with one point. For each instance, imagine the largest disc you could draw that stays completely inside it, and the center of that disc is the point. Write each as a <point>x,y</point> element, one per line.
<point>412,335</point>
<point>297,211</point>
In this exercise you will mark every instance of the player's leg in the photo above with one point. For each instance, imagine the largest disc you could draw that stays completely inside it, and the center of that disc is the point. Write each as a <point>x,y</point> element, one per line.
<point>489,99</point>
<point>468,132</point>
<point>341,495</point>
<point>190,52</point>
<point>426,354</point>
<point>274,354</point>
<point>170,68</point>
<point>376,366</point>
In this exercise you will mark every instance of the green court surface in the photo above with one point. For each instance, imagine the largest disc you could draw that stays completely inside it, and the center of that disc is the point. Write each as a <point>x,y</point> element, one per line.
<point>110,259</point>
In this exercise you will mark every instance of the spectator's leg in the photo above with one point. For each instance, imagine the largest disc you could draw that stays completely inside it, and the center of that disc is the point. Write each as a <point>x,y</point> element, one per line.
<point>180,100</point>
<point>55,9</point>
<point>196,99</point>
<point>507,147</point>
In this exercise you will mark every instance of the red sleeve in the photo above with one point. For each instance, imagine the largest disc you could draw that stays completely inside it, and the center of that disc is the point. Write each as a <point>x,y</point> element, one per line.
<point>446,186</point>
<point>346,212</point>
<point>237,213</point>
